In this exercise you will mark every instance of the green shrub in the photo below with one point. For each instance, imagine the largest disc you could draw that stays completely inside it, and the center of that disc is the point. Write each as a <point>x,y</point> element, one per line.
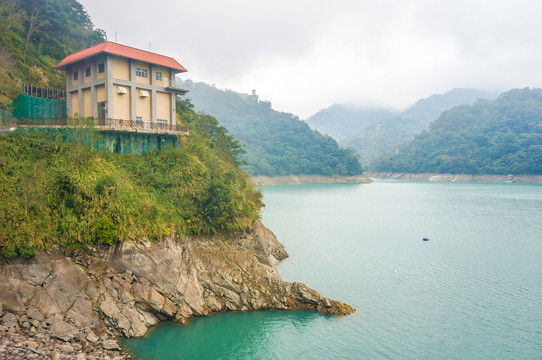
<point>105,231</point>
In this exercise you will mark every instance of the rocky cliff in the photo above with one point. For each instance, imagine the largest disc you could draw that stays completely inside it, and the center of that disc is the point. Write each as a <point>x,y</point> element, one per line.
<point>68,302</point>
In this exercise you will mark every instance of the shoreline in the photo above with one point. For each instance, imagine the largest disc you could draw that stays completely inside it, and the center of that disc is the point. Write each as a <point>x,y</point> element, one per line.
<point>457,177</point>
<point>78,303</point>
<point>262,180</point>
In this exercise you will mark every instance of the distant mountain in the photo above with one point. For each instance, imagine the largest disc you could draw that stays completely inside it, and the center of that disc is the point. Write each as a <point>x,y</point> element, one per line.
<point>385,134</point>
<point>503,136</point>
<point>341,121</point>
<point>276,143</point>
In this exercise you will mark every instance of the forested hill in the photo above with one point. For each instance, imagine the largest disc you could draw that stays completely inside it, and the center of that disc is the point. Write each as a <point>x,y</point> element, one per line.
<point>380,138</point>
<point>35,36</point>
<point>276,143</point>
<point>503,136</point>
<point>341,121</point>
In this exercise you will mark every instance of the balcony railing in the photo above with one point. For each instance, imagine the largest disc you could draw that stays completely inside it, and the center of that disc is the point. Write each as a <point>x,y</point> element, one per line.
<point>172,86</point>
<point>100,124</point>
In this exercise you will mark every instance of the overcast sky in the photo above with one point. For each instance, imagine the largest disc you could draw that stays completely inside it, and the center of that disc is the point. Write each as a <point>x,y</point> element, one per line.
<point>306,55</point>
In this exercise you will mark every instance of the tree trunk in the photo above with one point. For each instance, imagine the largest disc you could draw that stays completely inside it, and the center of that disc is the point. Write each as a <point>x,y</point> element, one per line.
<point>31,27</point>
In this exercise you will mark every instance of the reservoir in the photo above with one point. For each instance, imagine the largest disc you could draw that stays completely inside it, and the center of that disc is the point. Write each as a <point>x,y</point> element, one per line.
<point>472,290</point>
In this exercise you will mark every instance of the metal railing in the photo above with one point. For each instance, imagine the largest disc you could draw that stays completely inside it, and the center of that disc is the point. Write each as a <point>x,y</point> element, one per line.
<point>127,125</point>
<point>46,93</point>
<point>139,124</point>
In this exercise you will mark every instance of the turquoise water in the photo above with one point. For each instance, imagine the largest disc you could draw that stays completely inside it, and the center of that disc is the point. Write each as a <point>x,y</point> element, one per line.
<point>473,291</point>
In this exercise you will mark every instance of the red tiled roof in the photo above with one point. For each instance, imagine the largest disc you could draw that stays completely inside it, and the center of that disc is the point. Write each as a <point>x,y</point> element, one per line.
<point>109,47</point>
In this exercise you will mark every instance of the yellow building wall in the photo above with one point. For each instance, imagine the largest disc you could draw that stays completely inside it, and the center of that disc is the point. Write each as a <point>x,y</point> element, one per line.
<point>87,109</point>
<point>86,65</point>
<point>100,93</point>
<point>121,104</point>
<point>100,60</point>
<point>145,66</point>
<point>75,69</point>
<point>121,68</point>
<point>75,104</point>
<point>143,106</point>
<point>165,73</point>
<point>163,106</point>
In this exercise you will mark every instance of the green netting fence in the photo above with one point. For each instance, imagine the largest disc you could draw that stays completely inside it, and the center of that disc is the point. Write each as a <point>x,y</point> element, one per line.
<point>25,106</point>
<point>116,142</point>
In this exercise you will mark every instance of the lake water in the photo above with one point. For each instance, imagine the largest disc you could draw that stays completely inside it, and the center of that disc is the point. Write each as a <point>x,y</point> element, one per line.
<point>473,291</point>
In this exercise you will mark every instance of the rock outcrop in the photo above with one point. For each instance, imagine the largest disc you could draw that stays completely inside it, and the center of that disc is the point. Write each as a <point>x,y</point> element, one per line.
<point>68,302</point>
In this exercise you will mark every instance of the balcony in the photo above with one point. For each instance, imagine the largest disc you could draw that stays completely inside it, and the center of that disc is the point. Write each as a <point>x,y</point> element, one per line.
<point>171,86</point>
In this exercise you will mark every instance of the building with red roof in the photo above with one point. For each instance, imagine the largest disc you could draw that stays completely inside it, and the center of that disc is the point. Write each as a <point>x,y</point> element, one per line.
<point>114,81</point>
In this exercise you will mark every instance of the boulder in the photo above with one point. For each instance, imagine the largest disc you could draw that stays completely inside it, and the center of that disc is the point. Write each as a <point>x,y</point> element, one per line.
<point>62,330</point>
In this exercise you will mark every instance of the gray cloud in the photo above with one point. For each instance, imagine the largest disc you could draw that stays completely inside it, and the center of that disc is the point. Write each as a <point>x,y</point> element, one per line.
<point>305,55</point>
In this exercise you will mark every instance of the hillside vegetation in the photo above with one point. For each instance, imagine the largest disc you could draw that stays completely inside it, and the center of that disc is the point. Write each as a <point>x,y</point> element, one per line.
<point>380,138</point>
<point>57,193</point>
<point>276,143</point>
<point>34,36</point>
<point>503,136</point>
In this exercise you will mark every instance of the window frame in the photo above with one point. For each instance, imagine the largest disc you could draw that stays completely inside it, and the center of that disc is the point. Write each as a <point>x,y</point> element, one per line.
<point>75,76</point>
<point>101,68</point>
<point>140,72</point>
<point>87,71</point>
<point>158,76</point>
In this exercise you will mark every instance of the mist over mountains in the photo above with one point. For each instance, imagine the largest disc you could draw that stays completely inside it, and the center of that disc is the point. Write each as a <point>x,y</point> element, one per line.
<point>381,130</point>
<point>500,136</point>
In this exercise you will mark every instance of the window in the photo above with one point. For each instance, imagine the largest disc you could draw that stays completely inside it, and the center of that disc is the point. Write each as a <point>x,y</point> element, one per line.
<point>158,76</point>
<point>161,121</point>
<point>75,76</point>
<point>101,68</point>
<point>141,72</point>
<point>87,72</point>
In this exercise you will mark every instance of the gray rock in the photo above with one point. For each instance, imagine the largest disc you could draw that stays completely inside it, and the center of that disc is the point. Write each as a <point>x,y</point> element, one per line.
<point>65,349</point>
<point>110,345</point>
<point>31,344</point>
<point>11,299</point>
<point>55,355</point>
<point>34,314</point>
<point>10,320</point>
<point>63,330</point>
<point>92,337</point>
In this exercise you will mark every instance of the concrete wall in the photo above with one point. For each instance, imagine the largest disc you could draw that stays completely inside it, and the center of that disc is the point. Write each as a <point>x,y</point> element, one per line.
<point>121,68</point>
<point>143,105</point>
<point>135,143</point>
<point>87,110</point>
<point>100,93</point>
<point>144,66</point>
<point>87,64</point>
<point>75,68</point>
<point>100,60</point>
<point>165,73</point>
<point>163,104</point>
<point>74,104</point>
<point>121,104</point>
